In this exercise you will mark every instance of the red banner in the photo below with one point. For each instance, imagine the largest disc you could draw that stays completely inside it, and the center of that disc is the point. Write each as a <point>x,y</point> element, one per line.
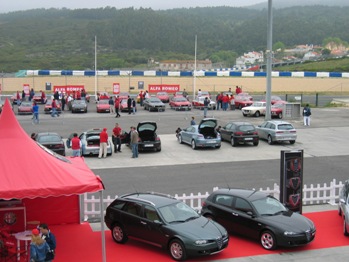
<point>68,89</point>
<point>163,88</point>
<point>26,88</point>
<point>116,88</point>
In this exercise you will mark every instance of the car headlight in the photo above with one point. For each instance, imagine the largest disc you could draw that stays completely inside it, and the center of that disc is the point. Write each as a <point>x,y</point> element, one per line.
<point>289,233</point>
<point>201,242</point>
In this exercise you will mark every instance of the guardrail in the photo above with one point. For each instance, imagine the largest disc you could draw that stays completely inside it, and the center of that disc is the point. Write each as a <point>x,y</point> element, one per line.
<point>312,195</point>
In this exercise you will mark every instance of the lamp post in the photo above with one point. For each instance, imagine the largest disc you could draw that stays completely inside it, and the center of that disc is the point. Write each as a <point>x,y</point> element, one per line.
<point>269,54</point>
<point>129,81</point>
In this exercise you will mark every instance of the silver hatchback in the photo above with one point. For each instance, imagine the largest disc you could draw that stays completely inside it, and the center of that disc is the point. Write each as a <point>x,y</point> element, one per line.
<point>277,131</point>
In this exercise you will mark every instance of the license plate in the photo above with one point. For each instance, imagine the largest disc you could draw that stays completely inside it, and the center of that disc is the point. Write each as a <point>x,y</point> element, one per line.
<point>148,145</point>
<point>249,138</point>
<point>211,142</point>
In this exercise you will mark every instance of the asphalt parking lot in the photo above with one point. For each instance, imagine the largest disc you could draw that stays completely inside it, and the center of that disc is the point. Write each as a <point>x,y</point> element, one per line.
<point>326,137</point>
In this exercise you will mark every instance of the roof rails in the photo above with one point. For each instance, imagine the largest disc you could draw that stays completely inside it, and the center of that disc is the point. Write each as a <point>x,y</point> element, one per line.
<point>133,196</point>
<point>160,194</point>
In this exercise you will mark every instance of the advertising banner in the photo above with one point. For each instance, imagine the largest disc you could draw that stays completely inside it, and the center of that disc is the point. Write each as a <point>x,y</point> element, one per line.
<point>163,88</point>
<point>68,89</point>
<point>116,88</point>
<point>291,179</point>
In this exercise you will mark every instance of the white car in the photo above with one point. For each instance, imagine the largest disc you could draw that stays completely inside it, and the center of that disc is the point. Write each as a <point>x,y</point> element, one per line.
<point>256,109</point>
<point>199,103</point>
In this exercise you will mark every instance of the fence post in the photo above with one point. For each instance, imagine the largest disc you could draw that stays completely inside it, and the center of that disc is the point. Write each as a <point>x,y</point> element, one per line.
<point>333,192</point>
<point>317,99</point>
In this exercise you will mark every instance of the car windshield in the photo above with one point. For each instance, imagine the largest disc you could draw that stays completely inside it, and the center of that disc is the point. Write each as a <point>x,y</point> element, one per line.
<point>103,102</point>
<point>154,100</point>
<point>258,104</point>
<point>246,128</point>
<point>26,104</point>
<point>48,138</point>
<point>180,99</point>
<point>268,206</point>
<point>178,213</point>
<point>162,94</point>
<point>285,127</point>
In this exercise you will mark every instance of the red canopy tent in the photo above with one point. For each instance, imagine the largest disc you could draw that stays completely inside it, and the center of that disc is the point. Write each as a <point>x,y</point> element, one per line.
<point>29,172</point>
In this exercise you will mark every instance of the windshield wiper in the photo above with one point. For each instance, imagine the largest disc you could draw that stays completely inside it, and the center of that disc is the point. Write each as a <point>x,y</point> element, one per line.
<point>177,221</point>
<point>191,218</point>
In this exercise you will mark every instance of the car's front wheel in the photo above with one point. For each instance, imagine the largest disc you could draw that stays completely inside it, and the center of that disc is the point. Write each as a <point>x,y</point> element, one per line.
<point>257,114</point>
<point>268,240</point>
<point>118,234</point>
<point>193,144</point>
<point>280,115</point>
<point>177,250</point>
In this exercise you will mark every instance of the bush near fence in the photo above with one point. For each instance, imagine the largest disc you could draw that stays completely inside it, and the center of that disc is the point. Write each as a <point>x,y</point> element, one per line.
<point>312,195</point>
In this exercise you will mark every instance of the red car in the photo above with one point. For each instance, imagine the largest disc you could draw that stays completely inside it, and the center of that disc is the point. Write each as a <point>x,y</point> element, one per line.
<point>103,106</point>
<point>180,103</point>
<point>48,107</point>
<point>274,99</point>
<point>123,105</point>
<point>123,96</point>
<point>163,96</point>
<point>37,98</point>
<point>243,100</point>
<point>25,108</point>
<point>277,108</point>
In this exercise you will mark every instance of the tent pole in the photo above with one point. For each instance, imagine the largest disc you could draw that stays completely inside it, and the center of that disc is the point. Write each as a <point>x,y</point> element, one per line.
<point>104,257</point>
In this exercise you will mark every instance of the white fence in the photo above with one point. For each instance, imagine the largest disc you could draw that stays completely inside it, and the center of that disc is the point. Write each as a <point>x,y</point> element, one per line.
<point>312,195</point>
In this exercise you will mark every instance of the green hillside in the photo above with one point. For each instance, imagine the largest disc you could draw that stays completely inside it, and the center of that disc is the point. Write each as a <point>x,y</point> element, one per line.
<point>129,38</point>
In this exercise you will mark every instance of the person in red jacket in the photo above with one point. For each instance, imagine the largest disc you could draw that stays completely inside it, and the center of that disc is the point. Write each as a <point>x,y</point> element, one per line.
<point>103,142</point>
<point>225,102</point>
<point>75,145</point>
<point>117,106</point>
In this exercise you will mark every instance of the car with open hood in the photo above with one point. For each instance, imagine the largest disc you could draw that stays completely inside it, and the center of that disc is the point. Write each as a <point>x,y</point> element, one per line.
<point>148,138</point>
<point>78,106</point>
<point>202,135</point>
<point>90,142</point>
<point>257,215</point>
<point>165,222</point>
<point>198,102</point>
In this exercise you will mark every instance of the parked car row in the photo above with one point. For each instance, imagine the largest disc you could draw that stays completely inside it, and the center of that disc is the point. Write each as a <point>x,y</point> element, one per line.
<point>206,134</point>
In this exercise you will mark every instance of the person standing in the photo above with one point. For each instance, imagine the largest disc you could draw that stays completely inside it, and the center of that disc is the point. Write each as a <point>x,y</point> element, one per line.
<point>18,98</point>
<point>192,122</point>
<point>134,106</point>
<point>199,93</point>
<point>103,142</point>
<point>111,105</point>
<point>206,104</point>
<point>117,106</point>
<point>50,239</point>
<point>23,95</point>
<point>129,105</point>
<point>43,97</point>
<point>141,97</point>
<point>232,102</point>
<point>39,248</point>
<point>306,115</point>
<point>117,138</point>
<point>219,100</point>
<point>31,94</point>
<point>54,108</point>
<point>35,113</point>
<point>225,102</point>
<point>63,101</point>
<point>134,141</point>
<point>75,144</point>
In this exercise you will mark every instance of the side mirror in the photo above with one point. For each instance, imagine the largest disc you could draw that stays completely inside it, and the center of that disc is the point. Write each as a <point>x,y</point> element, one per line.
<point>250,213</point>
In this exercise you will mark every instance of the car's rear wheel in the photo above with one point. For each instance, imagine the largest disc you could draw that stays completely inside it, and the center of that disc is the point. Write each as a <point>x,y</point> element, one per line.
<point>257,114</point>
<point>292,142</point>
<point>180,139</point>
<point>270,140</point>
<point>345,231</point>
<point>233,142</point>
<point>118,234</point>
<point>268,240</point>
<point>280,115</point>
<point>177,250</point>
<point>193,144</point>
<point>256,143</point>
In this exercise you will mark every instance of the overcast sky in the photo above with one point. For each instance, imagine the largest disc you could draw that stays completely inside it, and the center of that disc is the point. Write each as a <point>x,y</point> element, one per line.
<point>11,5</point>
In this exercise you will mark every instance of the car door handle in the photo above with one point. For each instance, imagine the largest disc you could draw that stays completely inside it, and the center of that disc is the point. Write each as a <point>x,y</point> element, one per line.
<point>235,214</point>
<point>143,223</point>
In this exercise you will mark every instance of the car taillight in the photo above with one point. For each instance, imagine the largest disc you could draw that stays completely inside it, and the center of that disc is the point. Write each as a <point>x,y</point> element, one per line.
<point>203,204</point>
<point>200,136</point>
<point>279,132</point>
<point>293,131</point>
<point>58,146</point>
<point>255,133</point>
<point>157,138</point>
<point>238,133</point>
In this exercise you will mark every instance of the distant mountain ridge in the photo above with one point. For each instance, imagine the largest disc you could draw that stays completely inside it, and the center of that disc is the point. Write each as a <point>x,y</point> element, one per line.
<point>278,4</point>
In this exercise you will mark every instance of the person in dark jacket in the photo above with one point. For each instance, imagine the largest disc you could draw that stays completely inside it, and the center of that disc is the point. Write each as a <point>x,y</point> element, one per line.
<point>306,115</point>
<point>50,239</point>
<point>129,105</point>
